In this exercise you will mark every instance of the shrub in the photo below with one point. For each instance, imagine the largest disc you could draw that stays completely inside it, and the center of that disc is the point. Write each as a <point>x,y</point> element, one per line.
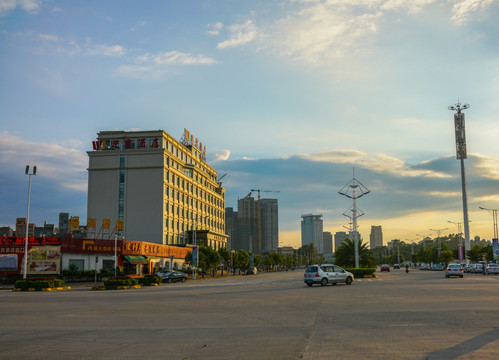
<point>360,272</point>
<point>39,284</point>
<point>121,281</point>
<point>149,279</point>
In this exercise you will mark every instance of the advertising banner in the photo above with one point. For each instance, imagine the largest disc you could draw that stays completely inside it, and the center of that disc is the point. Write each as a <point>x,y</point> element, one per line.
<point>44,260</point>
<point>495,249</point>
<point>8,262</point>
<point>460,253</point>
<point>195,256</point>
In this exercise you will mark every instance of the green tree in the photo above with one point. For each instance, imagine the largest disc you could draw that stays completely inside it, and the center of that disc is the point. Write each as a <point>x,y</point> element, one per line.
<point>240,259</point>
<point>446,256</point>
<point>345,255</point>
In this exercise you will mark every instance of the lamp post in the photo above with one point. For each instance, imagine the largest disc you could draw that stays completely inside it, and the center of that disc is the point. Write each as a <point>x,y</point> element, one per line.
<point>27,222</point>
<point>494,218</point>
<point>438,231</point>
<point>460,252</point>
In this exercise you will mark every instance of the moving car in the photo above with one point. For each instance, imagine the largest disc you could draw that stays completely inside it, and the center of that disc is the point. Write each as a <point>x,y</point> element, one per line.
<point>172,276</point>
<point>396,266</point>
<point>385,267</point>
<point>492,269</point>
<point>454,270</point>
<point>327,274</point>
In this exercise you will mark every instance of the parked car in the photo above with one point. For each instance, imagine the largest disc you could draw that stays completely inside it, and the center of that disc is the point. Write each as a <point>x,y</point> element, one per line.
<point>327,274</point>
<point>424,267</point>
<point>478,268</point>
<point>172,276</point>
<point>454,270</point>
<point>396,266</point>
<point>385,267</point>
<point>492,269</point>
<point>438,267</point>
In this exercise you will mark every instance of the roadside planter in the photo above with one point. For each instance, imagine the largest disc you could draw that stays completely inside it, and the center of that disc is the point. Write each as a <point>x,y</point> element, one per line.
<point>40,284</point>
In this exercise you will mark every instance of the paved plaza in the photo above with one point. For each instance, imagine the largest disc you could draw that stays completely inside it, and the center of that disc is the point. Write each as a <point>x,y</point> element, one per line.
<point>420,315</point>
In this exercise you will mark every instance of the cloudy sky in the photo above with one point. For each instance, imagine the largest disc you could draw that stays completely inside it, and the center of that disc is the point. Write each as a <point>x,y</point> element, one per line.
<point>288,95</point>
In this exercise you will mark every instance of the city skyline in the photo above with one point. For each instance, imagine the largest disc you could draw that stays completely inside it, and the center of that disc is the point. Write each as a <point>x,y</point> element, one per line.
<point>287,96</point>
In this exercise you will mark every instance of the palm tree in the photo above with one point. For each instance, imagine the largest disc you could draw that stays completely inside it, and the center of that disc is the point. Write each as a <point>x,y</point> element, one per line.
<point>345,255</point>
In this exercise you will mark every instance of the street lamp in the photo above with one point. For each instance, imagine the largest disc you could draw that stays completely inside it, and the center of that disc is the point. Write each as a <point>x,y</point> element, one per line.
<point>460,252</point>
<point>438,238</point>
<point>494,218</point>
<point>27,221</point>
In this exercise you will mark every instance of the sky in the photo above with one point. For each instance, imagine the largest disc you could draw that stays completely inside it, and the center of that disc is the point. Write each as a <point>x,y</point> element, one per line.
<point>288,96</point>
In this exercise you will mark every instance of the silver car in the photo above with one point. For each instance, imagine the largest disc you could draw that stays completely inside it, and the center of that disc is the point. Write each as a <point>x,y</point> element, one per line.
<point>492,269</point>
<point>327,274</point>
<point>454,270</point>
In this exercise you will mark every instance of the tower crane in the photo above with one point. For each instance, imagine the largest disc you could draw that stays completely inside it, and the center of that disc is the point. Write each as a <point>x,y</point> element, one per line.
<point>259,216</point>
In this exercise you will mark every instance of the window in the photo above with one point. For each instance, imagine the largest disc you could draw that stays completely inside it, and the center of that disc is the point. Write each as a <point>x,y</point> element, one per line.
<point>77,264</point>
<point>107,264</point>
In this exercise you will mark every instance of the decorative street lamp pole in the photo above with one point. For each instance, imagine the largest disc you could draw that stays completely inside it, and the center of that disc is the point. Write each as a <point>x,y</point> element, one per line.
<point>27,222</point>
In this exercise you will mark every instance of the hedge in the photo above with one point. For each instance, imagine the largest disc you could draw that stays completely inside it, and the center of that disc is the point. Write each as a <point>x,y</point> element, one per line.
<point>39,284</point>
<point>360,272</point>
<point>149,279</point>
<point>121,281</point>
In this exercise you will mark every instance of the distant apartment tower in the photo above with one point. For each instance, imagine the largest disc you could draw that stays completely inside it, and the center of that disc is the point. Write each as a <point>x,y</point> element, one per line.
<point>376,237</point>
<point>148,186</point>
<point>231,228</point>
<point>63,223</point>
<point>339,239</point>
<point>269,224</point>
<point>328,242</point>
<point>311,231</point>
<point>251,225</point>
<point>247,223</point>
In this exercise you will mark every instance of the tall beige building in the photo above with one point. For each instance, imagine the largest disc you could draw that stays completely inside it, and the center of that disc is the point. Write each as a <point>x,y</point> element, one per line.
<point>148,186</point>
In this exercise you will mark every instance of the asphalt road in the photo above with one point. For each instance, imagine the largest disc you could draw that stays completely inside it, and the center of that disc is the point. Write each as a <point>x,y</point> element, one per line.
<point>420,315</point>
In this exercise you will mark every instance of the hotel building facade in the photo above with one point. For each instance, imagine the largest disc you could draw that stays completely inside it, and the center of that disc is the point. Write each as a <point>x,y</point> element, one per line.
<point>148,186</point>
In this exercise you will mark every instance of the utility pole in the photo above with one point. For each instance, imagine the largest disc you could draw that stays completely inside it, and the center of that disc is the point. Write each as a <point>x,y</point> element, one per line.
<point>354,186</point>
<point>461,154</point>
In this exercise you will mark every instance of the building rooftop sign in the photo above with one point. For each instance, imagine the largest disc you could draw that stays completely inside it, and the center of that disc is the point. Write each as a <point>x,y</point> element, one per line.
<point>189,140</point>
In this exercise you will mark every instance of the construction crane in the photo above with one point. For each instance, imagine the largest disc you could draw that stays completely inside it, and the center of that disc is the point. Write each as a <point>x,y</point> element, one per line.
<point>259,216</point>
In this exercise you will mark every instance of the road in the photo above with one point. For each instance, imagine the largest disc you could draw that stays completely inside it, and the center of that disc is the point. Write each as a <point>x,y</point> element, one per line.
<point>420,315</point>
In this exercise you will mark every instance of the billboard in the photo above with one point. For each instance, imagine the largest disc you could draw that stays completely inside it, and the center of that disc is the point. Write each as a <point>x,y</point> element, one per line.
<point>44,260</point>
<point>495,249</point>
<point>460,136</point>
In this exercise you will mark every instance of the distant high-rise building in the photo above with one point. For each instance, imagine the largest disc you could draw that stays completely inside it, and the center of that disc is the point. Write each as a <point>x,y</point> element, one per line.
<point>269,225</point>
<point>311,231</point>
<point>249,228</point>
<point>247,222</point>
<point>328,242</point>
<point>231,228</point>
<point>339,239</point>
<point>376,237</point>
<point>63,223</point>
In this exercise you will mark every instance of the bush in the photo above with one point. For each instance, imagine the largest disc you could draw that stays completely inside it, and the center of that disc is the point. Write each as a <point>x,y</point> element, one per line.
<point>361,272</point>
<point>121,281</point>
<point>39,284</point>
<point>149,279</point>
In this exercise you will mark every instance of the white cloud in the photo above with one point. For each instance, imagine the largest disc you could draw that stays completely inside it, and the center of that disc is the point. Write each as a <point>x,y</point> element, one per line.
<point>379,163</point>
<point>240,34</point>
<point>464,9</point>
<point>215,29</point>
<point>64,165</point>
<point>30,6</point>
<point>105,50</point>
<point>222,155</point>
<point>153,66</point>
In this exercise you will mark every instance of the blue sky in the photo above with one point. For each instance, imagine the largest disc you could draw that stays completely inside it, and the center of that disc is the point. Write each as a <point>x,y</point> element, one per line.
<point>287,95</point>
